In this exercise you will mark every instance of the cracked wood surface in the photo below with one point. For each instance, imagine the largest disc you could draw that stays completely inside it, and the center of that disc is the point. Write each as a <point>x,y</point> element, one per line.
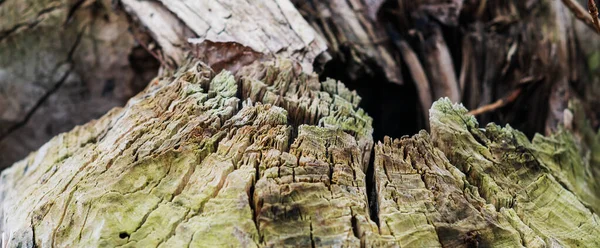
<point>270,156</point>
<point>272,27</point>
<point>65,62</point>
<point>62,63</point>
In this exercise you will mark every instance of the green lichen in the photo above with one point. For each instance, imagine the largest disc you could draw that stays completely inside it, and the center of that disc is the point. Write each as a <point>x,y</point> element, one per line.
<point>513,173</point>
<point>181,165</point>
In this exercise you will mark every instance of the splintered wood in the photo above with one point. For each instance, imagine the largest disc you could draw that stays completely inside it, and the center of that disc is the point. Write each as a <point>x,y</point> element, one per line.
<point>272,27</point>
<point>272,157</point>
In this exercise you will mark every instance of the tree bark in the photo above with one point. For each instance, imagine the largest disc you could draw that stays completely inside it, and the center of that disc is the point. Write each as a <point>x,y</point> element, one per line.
<point>232,145</point>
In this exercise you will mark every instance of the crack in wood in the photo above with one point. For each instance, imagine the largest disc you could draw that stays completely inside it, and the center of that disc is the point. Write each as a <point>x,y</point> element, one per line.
<point>261,191</point>
<point>56,86</point>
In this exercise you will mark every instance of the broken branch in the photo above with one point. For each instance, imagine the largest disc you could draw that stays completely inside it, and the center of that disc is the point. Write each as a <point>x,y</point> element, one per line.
<point>591,20</point>
<point>498,104</point>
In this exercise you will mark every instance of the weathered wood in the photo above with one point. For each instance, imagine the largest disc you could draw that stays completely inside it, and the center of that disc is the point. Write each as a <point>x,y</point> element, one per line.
<point>533,47</point>
<point>496,189</point>
<point>551,203</point>
<point>521,45</point>
<point>273,157</point>
<point>270,156</point>
<point>497,48</point>
<point>353,33</point>
<point>62,63</point>
<point>167,157</point>
<point>424,200</point>
<point>272,27</point>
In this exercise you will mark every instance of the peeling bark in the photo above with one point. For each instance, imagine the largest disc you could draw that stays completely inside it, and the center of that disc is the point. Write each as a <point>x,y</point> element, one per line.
<point>272,27</point>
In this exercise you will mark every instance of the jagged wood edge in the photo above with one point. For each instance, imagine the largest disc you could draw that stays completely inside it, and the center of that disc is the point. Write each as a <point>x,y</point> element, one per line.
<point>186,162</point>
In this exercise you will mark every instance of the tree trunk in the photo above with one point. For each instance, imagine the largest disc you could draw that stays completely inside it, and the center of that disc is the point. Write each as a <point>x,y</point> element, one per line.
<point>232,145</point>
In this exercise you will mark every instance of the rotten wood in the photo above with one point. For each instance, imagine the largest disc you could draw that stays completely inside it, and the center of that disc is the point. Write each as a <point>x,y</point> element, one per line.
<point>67,62</point>
<point>63,63</point>
<point>354,25</point>
<point>272,27</point>
<point>418,74</point>
<point>268,155</point>
<point>273,157</point>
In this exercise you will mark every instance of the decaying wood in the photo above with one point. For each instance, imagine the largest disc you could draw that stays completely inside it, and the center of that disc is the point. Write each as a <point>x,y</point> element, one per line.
<point>272,27</point>
<point>510,42</point>
<point>477,60</point>
<point>418,74</point>
<point>438,62</point>
<point>512,173</point>
<point>353,25</point>
<point>89,56</point>
<point>62,63</point>
<point>269,156</point>
<point>192,123</point>
<point>273,157</point>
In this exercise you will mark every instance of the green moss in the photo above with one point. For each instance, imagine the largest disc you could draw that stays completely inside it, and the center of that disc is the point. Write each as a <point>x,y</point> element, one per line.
<point>560,154</point>
<point>594,61</point>
<point>178,167</point>
<point>224,85</point>
<point>344,116</point>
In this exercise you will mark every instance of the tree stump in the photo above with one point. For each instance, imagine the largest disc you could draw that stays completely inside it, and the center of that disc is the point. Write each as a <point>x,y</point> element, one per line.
<point>238,143</point>
<point>273,157</point>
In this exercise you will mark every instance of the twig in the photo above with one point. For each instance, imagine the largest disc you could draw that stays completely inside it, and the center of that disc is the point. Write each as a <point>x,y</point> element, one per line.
<point>590,19</point>
<point>481,9</point>
<point>498,104</point>
<point>594,14</point>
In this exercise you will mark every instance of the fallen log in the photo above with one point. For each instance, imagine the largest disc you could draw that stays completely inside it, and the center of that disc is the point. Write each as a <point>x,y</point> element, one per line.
<point>270,156</point>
